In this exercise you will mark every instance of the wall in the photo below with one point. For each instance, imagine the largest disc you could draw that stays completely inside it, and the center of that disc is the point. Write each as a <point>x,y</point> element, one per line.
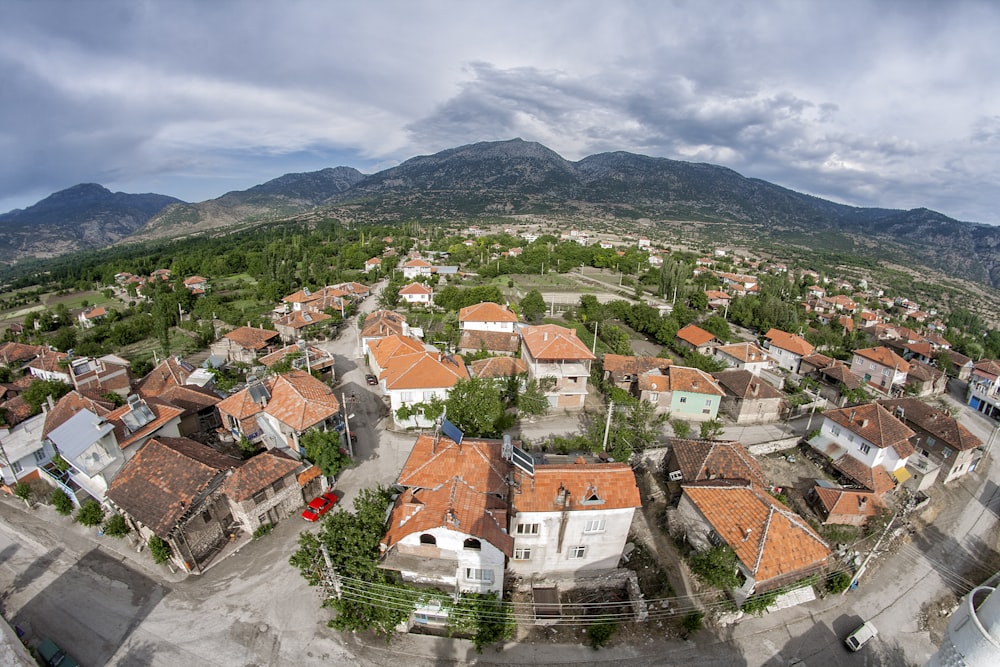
<point>451,544</point>
<point>603,549</point>
<point>693,406</point>
<point>773,446</point>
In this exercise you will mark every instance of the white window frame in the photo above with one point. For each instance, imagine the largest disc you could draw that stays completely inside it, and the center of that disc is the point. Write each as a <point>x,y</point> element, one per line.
<point>522,553</point>
<point>864,447</point>
<point>595,525</point>
<point>479,575</point>
<point>526,529</point>
<point>576,553</point>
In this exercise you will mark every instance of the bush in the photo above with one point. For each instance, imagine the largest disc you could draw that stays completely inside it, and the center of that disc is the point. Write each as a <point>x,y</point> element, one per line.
<point>262,530</point>
<point>758,604</point>
<point>61,502</point>
<point>838,582</point>
<point>681,428</point>
<point>116,526</point>
<point>601,632</point>
<point>692,622</point>
<point>23,491</point>
<point>90,514</point>
<point>159,550</point>
<point>717,567</point>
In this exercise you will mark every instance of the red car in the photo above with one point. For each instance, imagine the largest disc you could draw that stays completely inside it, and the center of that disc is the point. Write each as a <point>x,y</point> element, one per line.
<point>319,506</point>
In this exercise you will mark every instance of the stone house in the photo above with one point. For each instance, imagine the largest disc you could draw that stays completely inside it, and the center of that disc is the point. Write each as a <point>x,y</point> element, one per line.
<point>748,399</point>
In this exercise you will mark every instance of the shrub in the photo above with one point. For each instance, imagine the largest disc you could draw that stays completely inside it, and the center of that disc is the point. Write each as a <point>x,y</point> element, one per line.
<point>116,526</point>
<point>838,582</point>
<point>23,491</point>
<point>159,550</point>
<point>758,604</point>
<point>61,502</point>
<point>600,632</point>
<point>90,514</point>
<point>717,567</point>
<point>681,428</point>
<point>262,530</point>
<point>692,622</point>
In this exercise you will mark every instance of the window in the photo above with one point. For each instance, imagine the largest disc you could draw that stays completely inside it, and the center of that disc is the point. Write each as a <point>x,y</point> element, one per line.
<point>476,574</point>
<point>885,371</point>
<point>946,453</point>
<point>260,496</point>
<point>872,365</point>
<point>577,552</point>
<point>522,554</point>
<point>472,543</point>
<point>835,430</point>
<point>233,422</point>
<point>684,399</point>
<point>206,516</point>
<point>262,519</point>
<point>16,467</point>
<point>595,526</point>
<point>428,539</point>
<point>864,447</point>
<point>930,441</point>
<point>706,411</point>
<point>708,402</point>
<point>654,396</point>
<point>850,437</point>
<point>406,396</point>
<point>526,529</point>
<point>278,485</point>
<point>39,456</point>
<point>676,476</point>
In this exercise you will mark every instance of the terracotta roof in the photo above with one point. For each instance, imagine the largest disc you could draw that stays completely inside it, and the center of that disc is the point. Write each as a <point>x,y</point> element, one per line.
<point>876,425</point>
<point>498,367</point>
<point>840,373</point>
<point>744,352</point>
<point>307,475</point>
<point>383,323</point>
<point>987,367</point>
<point>251,338</point>
<point>415,288</point>
<point>69,405</point>
<point>170,372</point>
<point>165,478</point>
<point>373,260</point>
<point>458,487</point>
<point>885,357</point>
<point>701,460</point>
<point>627,369</point>
<point>769,539</point>
<point>424,370</point>
<point>190,398</point>
<point>318,358</point>
<point>258,473</point>
<point>94,313</point>
<point>302,296</point>
<point>695,335</point>
<point>301,320</point>
<point>162,411</point>
<point>921,372</point>
<point>591,486</point>
<point>817,360</point>
<point>875,479</point>
<point>938,423</point>
<point>15,411</point>
<point>241,404</point>
<point>17,353</point>
<point>957,358</point>
<point>493,341</point>
<point>300,401</point>
<point>486,311</point>
<point>848,502</point>
<point>680,378</point>
<point>49,360</point>
<point>383,349</point>
<point>744,384</point>
<point>194,280</point>
<point>415,264</point>
<point>791,342</point>
<point>551,342</point>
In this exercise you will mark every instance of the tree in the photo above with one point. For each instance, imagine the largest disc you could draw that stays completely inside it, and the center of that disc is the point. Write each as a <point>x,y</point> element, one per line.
<point>323,449</point>
<point>717,566</point>
<point>116,526</point>
<point>159,549</point>
<point>61,502</point>
<point>483,616</point>
<point>23,491</point>
<point>533,400</point>
<point>90,514</point>
<point>681,428</point>
<point>474,406</point>
<point>39,391</point>
<point>533,306</point>
<point>711,429</point>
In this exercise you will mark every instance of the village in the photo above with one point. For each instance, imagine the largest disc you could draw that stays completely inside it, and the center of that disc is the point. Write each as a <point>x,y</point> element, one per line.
<point>560,453</point>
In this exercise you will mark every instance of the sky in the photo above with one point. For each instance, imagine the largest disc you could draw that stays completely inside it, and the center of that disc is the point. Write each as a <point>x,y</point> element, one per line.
<point>889,103</point>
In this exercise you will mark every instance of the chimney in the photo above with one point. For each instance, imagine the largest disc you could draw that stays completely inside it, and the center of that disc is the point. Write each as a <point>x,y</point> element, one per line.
<point>864,423</point>
<point>754,388</point>
<point>862,502</point>
<point>746,535</point>
<point>50,401</point>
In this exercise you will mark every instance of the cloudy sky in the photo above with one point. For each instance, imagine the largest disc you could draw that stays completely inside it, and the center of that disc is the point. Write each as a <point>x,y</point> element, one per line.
<point>892,103</point>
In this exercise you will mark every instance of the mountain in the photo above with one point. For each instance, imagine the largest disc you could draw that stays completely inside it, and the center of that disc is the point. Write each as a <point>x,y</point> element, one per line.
<point>83,216</point>
<point>276,199</point>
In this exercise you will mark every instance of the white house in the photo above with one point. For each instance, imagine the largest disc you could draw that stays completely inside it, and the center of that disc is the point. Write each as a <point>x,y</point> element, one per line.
<point>488,326</point>
<point>880,368</point>
<point>416,268</point>
<point>23,450</point>
<point>87,442</point>
<point>787,349</point>
<point>555,352</point>
<point>744,356</point>
<point>417,294</point>
<point>414,379</point>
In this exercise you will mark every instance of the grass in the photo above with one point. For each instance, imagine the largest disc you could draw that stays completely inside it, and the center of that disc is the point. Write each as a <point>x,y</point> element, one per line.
<point>229,281</point>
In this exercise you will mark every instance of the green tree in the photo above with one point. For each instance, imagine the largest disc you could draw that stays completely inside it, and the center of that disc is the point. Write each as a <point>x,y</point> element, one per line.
<point>39,391</point>
<point>23,491</point>
<point>483,616</point>
<point>323,449</point>
<point>116,526</point>
<point>533,306</point>
<point>90,514</point>
<point>159,549</point>
<point>474,405</point>
<point>717,566</point>
<point>533,400</point>
<point>711,429</point>
<point>61,502</point>
<point>681,428</point>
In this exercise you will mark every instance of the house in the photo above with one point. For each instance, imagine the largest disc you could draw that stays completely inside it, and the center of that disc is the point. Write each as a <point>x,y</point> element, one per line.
<point>717,299</point>
<point>238,412</point>
<point>686,393</point>
<point>983,392</point>
<point>380,324</point>
<point>373,264</point>
<point>50,365</point>
<point>880,368</point>
<point>244,344</point>
<point>382,350</point>
<point>837,383</point>
<point>15,355</point>
<point>944,449</point>
<point>414,379</point>
<point>498,368</point>
<point>91,316</point>
<point>266,489</point>
<point>302,356</point>
<point>744,356</point>
<point>570,518</point>
<point>297,403</point>
<point>197,285</point>
<point>787,349</point>
<point>846,507</point>
<point>449,525</point>
<point>299,323</point>
<point>774,546</point>
<point>56,414</point>
<point>353,290</point>
<point>171,372</point>
<point>107,374</point>
<point>141,419</point>
<point>415,268</point>
<point>23,451</point>
<point>748,399</point>
<point>552,351</point>
<point>87,443</point>
<point>695,338</point>
<point>624,371</point>
<point>488,326</point>
<point>867,444</point>
<point>692,461</point>
<point>417,294</point>
<point>955,364</point>
<point>197,404</point>
<point>173,489</point>
<point>925,379</point>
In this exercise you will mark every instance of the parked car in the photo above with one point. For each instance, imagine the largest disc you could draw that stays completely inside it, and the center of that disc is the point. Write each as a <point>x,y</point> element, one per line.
<point>371,379</point>
<point>53,655</point>
<point>861,636</point>
<point>319,506</point>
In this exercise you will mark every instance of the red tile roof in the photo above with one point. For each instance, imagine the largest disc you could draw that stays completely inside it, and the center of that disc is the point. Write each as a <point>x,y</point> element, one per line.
<point>876,425</point>
<point>703,460</point>
<point>69,405</point>
<point>383,323</point>
<point>300,401</point>
<point>163,414</point>
<point>885,357</point>
<point>624,368</point>
<point>791,342</point>
<point>695,335</point>
<point>744,352</point>
<point>300,320</point>
<point>590,486</point>
<point>15,353</point>
<point>551,342</point>
<point>383,349</point>
<point>498,367</point>
<point>170,372</point>
<point>258,473</point>
<point>848,502</point>
<point>938,423</point>
<point>424,370</point>
<point>680,378</point>
<point>251,338</point>
<point>492,341</point>
<point>769,539</point>
<point>875,479</point>
<point>486,311</point>
<point>745,385</point>
<point>415,288</point>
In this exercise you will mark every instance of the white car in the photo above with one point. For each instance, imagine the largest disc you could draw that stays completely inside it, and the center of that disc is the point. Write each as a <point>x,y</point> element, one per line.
<point>861,636</point>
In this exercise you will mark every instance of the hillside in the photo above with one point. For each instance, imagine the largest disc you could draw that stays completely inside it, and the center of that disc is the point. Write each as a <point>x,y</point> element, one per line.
<point>85,216</point>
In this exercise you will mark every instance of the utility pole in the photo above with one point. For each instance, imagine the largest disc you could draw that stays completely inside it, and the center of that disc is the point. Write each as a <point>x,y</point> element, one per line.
<point>607,425</point>
<point>334,577</point>
<point>871,554</point>
<point>347,425</point>
<point>593,349</point>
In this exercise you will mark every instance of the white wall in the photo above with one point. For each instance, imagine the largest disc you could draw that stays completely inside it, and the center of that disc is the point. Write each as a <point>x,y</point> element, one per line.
<point>603,549</point>
<point>852,442</point>
<point>451,544</point>
<point>505,327</point>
